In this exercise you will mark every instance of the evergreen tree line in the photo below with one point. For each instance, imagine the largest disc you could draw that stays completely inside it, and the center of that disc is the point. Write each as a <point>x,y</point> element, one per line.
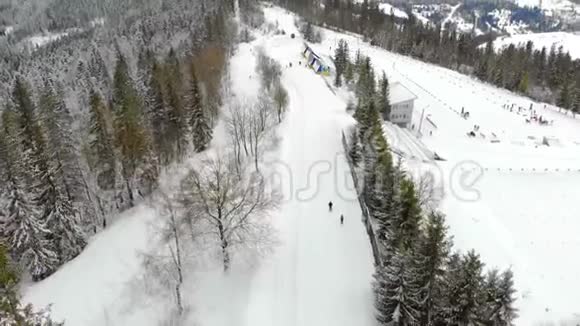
<point>65,173</point>
<point>545,74</point>
<point>419,280</point>
<point>132,136</point>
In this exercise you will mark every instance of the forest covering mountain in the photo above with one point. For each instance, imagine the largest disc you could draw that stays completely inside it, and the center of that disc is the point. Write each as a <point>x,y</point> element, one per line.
<point>89,121</point>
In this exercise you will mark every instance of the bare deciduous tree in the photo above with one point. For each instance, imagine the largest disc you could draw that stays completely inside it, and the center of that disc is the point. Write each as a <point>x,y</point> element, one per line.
<point>249,125</point>
<point>268,69</point>
<point>235,212</point>
<point>167,267</point>
<point>429,195</point>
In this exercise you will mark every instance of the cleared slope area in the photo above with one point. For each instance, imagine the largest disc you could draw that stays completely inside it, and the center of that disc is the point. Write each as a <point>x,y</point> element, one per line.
<point>321,273</point>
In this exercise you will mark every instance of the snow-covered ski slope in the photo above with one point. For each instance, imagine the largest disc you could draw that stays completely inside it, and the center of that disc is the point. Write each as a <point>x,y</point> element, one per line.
<point>322,272</point>
<point>506,194</point>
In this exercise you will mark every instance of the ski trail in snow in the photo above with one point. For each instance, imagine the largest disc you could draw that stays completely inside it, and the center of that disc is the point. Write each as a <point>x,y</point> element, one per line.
<point>321,273</point>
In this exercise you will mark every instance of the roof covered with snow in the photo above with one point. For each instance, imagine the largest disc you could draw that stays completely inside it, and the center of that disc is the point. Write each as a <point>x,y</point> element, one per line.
<point>399,93</point>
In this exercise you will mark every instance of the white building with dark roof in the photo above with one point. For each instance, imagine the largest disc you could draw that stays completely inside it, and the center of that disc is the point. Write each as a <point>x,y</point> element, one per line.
<point>402,105</point>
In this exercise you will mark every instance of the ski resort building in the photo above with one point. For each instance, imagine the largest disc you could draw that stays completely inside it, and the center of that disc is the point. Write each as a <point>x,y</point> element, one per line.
<point>315,62</point>
<point>402,105</point>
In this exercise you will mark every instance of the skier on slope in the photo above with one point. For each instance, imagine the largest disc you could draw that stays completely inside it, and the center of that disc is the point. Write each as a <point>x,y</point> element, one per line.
<point>341,219</point>
<point>330,206</point>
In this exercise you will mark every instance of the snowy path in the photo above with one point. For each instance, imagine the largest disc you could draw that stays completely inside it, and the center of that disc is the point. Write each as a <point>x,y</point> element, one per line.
<point>321,273</point>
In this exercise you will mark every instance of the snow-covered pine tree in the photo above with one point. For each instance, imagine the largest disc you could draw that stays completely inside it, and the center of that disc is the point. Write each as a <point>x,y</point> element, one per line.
<point>365,86</point>
<point>102,151</point>
<point>98,71</point>
<point>157,114</point>
<point>57,125</point>
<point>431,254</point>
<point>464,290</point>
<point>60,182</point>
<point>178,131</point>
<point>576,104</point>
<point>355,148</point>
<point>349,72</point>
<point>199,123</point>
<point>411,215</point>
<point>22,229</point>
<point>392,227</point>
<point>340,61</point>
<point>130,135</point>
<point>396,298</point>
<point>499,298</point>
<point>383,102</point>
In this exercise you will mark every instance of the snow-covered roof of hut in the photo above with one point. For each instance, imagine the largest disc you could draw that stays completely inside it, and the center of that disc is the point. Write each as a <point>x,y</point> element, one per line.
<point>399,93</point>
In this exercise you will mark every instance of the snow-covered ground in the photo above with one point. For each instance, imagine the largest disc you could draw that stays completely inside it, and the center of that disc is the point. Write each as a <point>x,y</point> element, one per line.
<point>319,274</point>
<point>570,41</point>
<point>507,195</point>
<point>390,9</point>
<point>41,40</point>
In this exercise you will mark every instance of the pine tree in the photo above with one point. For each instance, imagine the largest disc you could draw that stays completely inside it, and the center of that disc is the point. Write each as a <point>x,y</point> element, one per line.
<point>523,83</point>
<point>566,95</point>
<point>178,131</point>
<point>463,290</point>
<point>349,73</point>
<point>355,148</point>
<point>22,228</point>
<point>340,61</point>
<point>395,297</point>
<point>57,123</point>
<point>411,215</point>
<point>102,151</point>
<point>383,102</point>
<point>431,254</point>
<point>200,128</point>
<point>158,115</point>
<point>60,182</point>
<point>130,136</point>
<point>499,301</point>
<point>576,104</point>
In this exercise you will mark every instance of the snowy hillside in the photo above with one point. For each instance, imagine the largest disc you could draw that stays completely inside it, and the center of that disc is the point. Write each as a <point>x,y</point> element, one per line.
<point>390,9</point>
<point>570,41</point>
<point>510,193</point>
<point>506,193</point>
<point>321,271</point>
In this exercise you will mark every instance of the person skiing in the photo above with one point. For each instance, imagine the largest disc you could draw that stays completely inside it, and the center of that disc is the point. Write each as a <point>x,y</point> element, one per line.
<point>330,206</point>
<point>341,219</point>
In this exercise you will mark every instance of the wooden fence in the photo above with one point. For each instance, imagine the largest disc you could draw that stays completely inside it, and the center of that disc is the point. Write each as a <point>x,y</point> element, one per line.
<point>366,218</point>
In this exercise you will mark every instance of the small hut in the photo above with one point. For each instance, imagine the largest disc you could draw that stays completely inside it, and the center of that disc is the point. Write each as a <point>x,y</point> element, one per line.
<point>314,61</point>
